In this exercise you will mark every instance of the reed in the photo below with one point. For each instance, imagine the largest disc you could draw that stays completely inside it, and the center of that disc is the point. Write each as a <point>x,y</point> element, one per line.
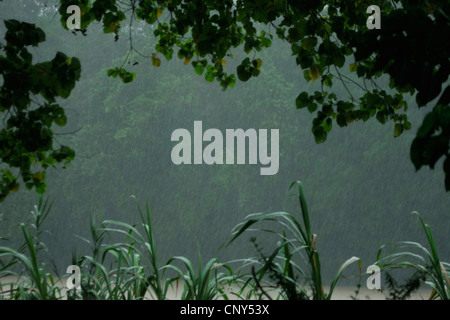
<point>424,261</point>
<point>210,282</point>
<point>128,267</point>
<point>296,240</point>
<point>34,281</point>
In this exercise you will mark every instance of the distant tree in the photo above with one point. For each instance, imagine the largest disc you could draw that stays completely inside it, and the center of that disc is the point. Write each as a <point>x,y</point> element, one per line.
<point>332,41</point>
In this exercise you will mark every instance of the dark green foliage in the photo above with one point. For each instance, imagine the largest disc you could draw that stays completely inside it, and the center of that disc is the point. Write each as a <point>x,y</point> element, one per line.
<point>37,282</point>
<point>27,138</point>
<point>283,279</point>
<point>123,74</point>
<point>204,33</point>
<point>294,264</point>
<point>432,141</point>
<point>129,269</point>
<point>323,41</point>
<point>403,291</point>
<point>423,260</point>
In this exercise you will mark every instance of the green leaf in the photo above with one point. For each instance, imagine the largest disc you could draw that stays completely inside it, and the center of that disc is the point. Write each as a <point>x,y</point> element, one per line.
<point>312,106</point>
<point>61,120</point>
<point>381,117</point>
<point>209,76</point>
<point>302,100</point>
<point>242,73</point>
<point>341,120</point>
<point>398,129</point>
<point>407,125</point>
<point>198,67</point>
<point>257,63</point>
<point>314,72</point>
<point>113,72</point>
<point>232,80</point>
<point>309,43</point>
<point>156,62</point>
<point>340,271</point>
<point>320,134</point>
<point>327,125</point>
<point>126,76</point>
<point>339,60</point>
<point>428,125</point>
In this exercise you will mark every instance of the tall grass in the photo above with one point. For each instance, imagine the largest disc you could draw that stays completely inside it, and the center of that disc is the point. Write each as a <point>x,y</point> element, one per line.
<point>296,240</point>
<point>127,267</point>
<point>424,261</point>
<point>112,271</point>
<point>124,270</point>
<point>32,280</point>
<point>134,270</point>
<point>208,283</point>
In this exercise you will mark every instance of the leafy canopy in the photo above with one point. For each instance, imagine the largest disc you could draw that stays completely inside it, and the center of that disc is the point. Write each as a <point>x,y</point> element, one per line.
<point>328,38</point>
<point>28,101</point>
<point>331,44</point>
